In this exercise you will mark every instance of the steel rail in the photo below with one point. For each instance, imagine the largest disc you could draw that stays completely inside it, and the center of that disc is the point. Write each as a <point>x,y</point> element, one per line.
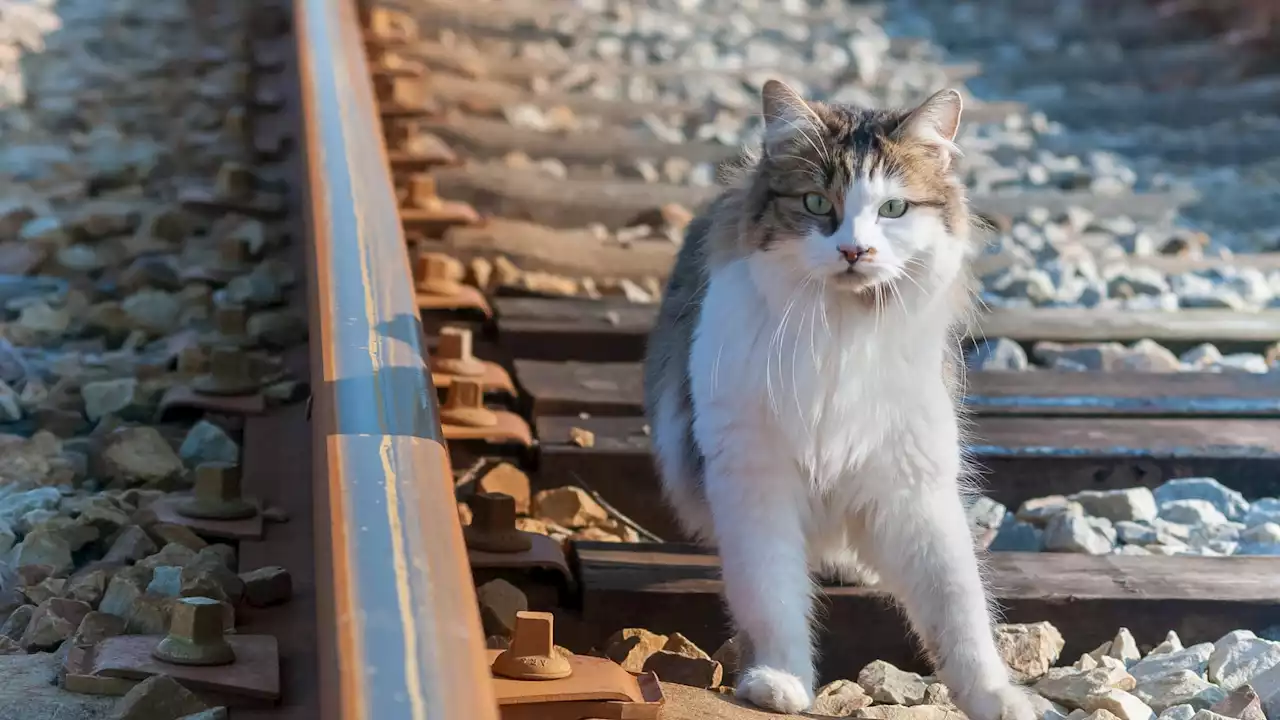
<point>400,633</point>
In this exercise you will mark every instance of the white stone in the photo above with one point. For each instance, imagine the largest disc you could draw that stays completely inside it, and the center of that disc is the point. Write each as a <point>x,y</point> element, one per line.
<point>1132,504</point>
<point>1191,512</point>
<point>1180,687</point>
<point>1194,658</point>
<point>1119,703</point>
<point>1239,657</point>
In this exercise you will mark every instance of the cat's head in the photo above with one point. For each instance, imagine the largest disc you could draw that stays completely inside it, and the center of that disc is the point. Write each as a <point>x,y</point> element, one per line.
<point>857,198</point>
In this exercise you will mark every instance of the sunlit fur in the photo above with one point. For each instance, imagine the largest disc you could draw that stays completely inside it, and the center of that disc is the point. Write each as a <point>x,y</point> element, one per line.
<point>804,411</point>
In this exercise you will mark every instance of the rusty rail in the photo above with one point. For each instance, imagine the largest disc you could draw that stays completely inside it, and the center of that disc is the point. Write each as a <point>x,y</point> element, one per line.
<point>400,633</point>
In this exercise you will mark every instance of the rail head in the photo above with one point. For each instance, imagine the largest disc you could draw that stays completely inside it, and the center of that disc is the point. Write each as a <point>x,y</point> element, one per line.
<point>400,633</point>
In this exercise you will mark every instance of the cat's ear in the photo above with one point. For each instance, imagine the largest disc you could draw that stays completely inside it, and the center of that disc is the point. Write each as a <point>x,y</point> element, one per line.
<point>785,112</point>
<point>936,121</point>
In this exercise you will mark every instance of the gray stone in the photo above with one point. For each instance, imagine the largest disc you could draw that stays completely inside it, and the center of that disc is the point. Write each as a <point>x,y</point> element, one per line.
<point>1179,687</point>
<point>887,684</point>
<point>14,506</point>
<point>1038,511</point>
<point>1239,657</point>
<point>1133,504</point>
<point>1072,687</point>
<point>1017,536</point>
<point>1028,650</point>
<point>139,455</point>
<point>1194,658</point>
<point>1119,703</point>
<point>1264,534</point>
<point>30,693</point>
<point>1228,502</point>
<point>166,581</point>
<point>1242,703</point>
<point>206,442</point>
<point>44,547</point>
<point>1069,532</point>
<point>1124,648</point>
<point>10,407</point>
<point>153,311</point>
<point>985,513</point>
<point>1177,712</point>
<point>1202,356</point>
<point>108,397</point>
<point>997,354</point>
<point>156,698</point>
<point>131,545</point>
<point>1191,512</point>
<point>1243,362</point>
<point>1150,356</point>
<point>1263,511</point>
<point>840,699</point>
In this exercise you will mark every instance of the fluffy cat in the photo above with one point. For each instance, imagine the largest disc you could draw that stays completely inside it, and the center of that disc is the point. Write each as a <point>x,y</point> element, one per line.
<point>802,386</point>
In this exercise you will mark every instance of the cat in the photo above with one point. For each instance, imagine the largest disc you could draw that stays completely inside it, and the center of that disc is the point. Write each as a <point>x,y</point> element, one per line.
<point>802,385</point>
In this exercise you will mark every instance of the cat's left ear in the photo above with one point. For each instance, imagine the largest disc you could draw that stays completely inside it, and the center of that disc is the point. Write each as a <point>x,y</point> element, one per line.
<point>935,122</point>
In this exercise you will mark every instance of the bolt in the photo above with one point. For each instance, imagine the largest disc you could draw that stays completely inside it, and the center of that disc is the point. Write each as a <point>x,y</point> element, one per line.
<point>217,494</point>
<point>233,251</point>
<point>422,192</point>
<point>229,373</point>
<point>453,353</point>
<point>532,655</point>
<point>231,322</point>
<point>397,134</point>
<point>464,405</point>
<point>387,89</point>
<point>234,182</point>
<point>437,274</point>
<point>195,635</point>
<point>493,524</point>
<point>191,360</point>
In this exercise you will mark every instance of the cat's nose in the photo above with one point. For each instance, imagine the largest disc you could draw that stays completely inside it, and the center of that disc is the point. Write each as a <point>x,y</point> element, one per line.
<point>853,253</point>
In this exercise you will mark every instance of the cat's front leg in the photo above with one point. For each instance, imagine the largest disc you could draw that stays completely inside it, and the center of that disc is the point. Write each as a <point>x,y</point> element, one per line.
<point>919,541</point>
<point>758,509</point>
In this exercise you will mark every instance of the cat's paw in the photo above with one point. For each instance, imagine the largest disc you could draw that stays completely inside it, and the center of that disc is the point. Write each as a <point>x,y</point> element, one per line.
<point>774,689</point>
<point>1009,702</point>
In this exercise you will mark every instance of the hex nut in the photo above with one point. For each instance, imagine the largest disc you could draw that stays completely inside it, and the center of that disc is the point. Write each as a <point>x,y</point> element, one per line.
<point>195,635</point>
<point>493,525</point>
<point>464,406</point>
<point>217,494</point>
<point>532,655</point>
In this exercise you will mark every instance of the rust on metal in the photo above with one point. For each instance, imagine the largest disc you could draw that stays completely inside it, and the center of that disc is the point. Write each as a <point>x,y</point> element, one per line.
<point>166,510</point>
<point>185,398</point>
<point>437,279</point>
<point>115,664</point>
<point>428,214</point>
<point>493,525</point>
<point>464,406</point>
<point>230,373</point>
<point>387,24</point>
<point>394,592</point>
<point>195,635</point>
<point>217,494</point>
<point>464,417</point>
<point>532,654</point>
<point>231,326</point>
<point>454,359</point>
<point>596,688</point>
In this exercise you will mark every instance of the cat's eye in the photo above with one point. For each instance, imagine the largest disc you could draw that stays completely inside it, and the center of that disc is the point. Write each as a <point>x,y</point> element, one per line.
<point>893,208</point>
<point>817,203</point>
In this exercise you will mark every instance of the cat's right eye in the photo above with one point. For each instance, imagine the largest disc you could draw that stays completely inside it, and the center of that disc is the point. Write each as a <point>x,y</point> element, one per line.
<point>817,204</point>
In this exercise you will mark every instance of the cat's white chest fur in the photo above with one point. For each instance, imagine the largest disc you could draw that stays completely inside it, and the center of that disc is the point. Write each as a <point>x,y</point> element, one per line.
<point>837,389</point>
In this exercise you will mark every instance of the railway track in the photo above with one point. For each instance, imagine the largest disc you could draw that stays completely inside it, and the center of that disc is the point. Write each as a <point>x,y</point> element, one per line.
<point>402,271</point>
